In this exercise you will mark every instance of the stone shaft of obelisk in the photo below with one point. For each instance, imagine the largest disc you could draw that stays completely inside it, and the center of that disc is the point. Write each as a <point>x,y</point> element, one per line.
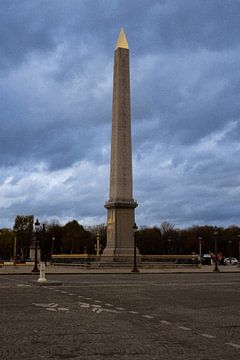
<point>120,206</point>
<point>121,147</point>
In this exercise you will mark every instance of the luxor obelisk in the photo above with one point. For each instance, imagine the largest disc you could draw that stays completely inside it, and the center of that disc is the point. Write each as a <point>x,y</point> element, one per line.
<point>121,205</point>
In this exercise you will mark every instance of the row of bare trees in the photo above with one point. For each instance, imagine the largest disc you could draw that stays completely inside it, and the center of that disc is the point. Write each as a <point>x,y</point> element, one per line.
<point>168,240</point>
<point>74,238</point>
<point>52,238</point>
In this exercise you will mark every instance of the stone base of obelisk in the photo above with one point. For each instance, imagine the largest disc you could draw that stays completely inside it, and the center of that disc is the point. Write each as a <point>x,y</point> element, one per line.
<point>120,236</point>
<point>120,255</point>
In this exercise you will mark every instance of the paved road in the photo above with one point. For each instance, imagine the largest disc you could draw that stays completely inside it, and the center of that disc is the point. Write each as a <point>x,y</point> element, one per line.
<point>121,316</point>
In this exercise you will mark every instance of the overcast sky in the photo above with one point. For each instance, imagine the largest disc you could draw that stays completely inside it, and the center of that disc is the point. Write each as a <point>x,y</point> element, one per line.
<point>56,67</point>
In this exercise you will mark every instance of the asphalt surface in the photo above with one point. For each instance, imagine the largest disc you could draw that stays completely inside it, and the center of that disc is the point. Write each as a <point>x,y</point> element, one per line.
<point>121,316</point>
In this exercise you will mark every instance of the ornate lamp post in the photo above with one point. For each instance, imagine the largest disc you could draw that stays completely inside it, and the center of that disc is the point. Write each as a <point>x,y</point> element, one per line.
<point>230,251</point>
<point>53,245</point>
<point>37,228</point>
<point>71,251</point>
<point>238,250</point>
<point>200,248</point>
<point>15,245</point>
<point>98,244</point>
<point>215,233</point>
<point>169,246</point>
<point>135,269</point>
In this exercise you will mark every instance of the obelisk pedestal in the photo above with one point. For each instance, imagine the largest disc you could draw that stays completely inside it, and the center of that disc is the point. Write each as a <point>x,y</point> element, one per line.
<point>121,205</point>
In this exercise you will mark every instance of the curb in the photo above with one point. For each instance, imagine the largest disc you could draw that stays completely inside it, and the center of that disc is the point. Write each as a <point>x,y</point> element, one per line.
<point>121,273</point>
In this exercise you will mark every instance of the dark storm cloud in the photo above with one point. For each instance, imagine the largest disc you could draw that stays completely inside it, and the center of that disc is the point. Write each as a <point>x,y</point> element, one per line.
<point>191,95</point>
<point>23,29</point>
<point>56,61</point>
<point>197,24</point>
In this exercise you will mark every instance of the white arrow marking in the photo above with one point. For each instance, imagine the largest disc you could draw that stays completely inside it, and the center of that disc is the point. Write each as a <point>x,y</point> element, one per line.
<point>165,322</point>
<point>184,328</point>
<point>84,305</point>
<point>51,305</point>
<point>208,336</point>
<point>148,316</point>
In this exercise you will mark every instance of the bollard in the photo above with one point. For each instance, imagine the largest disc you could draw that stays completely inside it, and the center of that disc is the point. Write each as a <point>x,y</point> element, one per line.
<point>42,277</point>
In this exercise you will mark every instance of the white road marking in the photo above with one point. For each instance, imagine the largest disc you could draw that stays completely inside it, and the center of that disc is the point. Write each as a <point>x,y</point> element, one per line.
<point>97,309</point>
<point>51,305</point>
<point>208,336</point>
<point>165,322</point>
<point>133,312</point>
<point>148,316</point>
<point>184,328</point>
<point>236,346</point>
<point>107,310</point>
<point>23,285</point>
<point>84,305</point>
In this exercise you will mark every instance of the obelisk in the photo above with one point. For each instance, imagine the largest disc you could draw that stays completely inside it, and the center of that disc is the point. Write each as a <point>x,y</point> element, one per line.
<point>120,206</point>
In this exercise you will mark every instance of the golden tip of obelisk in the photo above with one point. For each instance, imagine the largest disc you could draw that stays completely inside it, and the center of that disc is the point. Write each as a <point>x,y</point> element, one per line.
<point>122,41</point>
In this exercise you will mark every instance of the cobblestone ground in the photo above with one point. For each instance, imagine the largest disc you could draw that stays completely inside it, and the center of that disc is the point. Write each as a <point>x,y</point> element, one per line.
<point>128,316</point>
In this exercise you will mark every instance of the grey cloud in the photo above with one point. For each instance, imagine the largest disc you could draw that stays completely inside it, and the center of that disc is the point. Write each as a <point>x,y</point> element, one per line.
<point>194,24</point>
<point>41,26</point>
<point>55,107</point>
<point>188,94</point>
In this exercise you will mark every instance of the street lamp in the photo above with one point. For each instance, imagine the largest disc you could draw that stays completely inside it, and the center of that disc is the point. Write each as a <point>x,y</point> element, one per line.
<point>200,249</point>
<point>215,234</point>
<point>71,246</point>
<point>98,244</point>
<point>238,250</point>
<point>37,228</point>
<point>230,251</point>
<point>53,245</point>
<point>0,233</point>
<point>135,269</point>
<point>169,246</point>
<point>15,229</point>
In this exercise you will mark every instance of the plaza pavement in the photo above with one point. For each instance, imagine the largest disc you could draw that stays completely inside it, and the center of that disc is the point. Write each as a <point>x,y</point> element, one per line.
<point>75,269</point>
<point>161,316</point>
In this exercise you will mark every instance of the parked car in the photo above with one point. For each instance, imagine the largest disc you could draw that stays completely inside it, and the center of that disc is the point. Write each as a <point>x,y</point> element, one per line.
<point>206,259</point>
<point>230,261</point>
